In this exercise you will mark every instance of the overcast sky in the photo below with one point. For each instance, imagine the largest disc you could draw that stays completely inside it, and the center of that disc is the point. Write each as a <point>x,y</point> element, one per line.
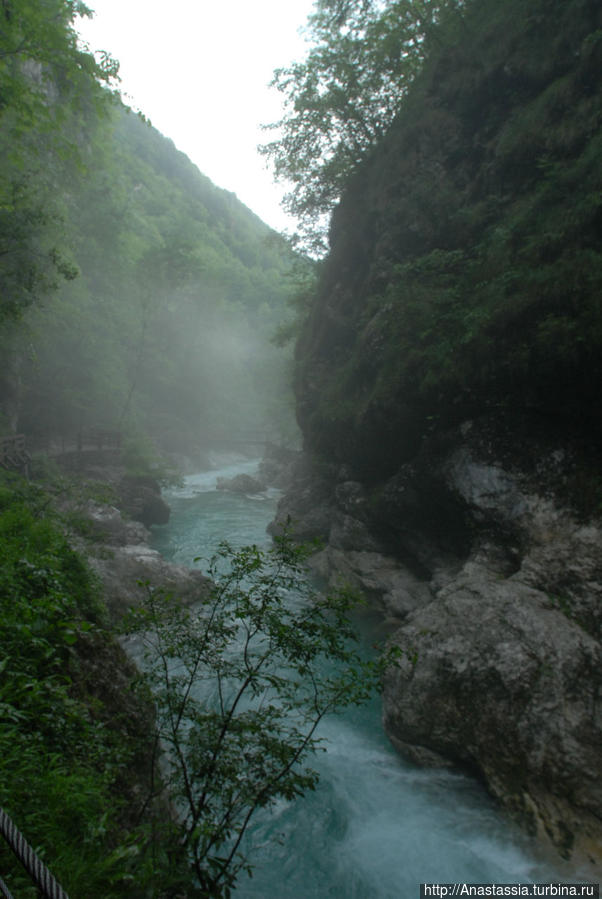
<point>199,70</point>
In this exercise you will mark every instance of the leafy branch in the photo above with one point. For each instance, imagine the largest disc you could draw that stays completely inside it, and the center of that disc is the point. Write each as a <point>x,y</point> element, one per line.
<point>242,682</point>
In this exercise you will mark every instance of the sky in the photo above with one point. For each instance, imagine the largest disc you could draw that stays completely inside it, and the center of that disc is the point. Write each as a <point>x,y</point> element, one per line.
<point>200,70</point>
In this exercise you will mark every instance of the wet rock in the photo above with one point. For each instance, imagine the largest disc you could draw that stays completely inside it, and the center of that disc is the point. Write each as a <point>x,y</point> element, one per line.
<point>117,547</point>
<point>348,533</point>
<point>128,572</point>
<point>307,508</point>
<point>141,499</point>
<point>494,677</point>
<point>108,525</point>
<point>277,466</point>
<point>388,585</point>
<point>490,577</point>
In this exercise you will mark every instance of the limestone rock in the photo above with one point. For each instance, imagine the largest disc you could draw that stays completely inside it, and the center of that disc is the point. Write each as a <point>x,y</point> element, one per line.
<point>307,508</point>
<point>109,526</point>
<point>126,572</point>
<point>489,575</point>
<point>380,578</point>
<point>141,499</point>
<point>277,466</point>
<point>496,678</point>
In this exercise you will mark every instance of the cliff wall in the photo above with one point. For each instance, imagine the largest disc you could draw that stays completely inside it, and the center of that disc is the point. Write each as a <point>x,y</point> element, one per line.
<point>448,387</point>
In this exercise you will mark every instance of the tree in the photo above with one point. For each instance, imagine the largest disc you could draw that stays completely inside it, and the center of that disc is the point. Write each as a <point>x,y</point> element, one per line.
<point>241,684</point>
<point>341,99</point>
<point>48,85</point>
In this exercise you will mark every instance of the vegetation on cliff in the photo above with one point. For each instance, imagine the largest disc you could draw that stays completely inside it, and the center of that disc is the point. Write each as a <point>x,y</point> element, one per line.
<point>134,296</point>
<point>465,271</point>
<point>449,379</point>
<point>137,785</point>
<point>341,99</point>
<point>75,735</point>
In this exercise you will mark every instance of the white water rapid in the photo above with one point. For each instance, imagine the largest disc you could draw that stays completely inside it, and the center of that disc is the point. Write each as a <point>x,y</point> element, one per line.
<point>377,826</point>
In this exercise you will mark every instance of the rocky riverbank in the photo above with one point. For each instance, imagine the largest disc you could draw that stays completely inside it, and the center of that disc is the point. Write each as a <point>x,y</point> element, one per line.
<point>485,554</point>
<point>110,511</point>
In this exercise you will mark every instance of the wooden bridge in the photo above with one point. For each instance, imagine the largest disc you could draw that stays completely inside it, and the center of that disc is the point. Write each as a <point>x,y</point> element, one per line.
<point>100,438</point>
<point>14,455</point>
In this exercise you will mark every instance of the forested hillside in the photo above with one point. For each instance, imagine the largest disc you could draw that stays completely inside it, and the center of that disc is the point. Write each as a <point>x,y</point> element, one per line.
<point>135,294</point>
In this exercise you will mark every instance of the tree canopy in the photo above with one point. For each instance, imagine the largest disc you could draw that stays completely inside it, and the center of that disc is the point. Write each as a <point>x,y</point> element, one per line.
<point>465,268</point>
<point>341,98</point>
<point>48,83</point>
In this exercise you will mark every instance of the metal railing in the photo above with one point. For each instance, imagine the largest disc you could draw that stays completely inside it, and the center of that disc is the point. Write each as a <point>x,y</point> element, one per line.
<point>35,867</point>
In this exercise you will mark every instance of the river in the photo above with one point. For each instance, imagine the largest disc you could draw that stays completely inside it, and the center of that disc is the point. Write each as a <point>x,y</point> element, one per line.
<point>377,826</point>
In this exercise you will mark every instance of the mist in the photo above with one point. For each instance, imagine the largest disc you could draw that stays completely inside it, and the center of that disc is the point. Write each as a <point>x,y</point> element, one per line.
<point>166,332</point>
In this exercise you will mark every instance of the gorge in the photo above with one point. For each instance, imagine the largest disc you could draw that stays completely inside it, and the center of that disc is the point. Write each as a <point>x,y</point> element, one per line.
<point>448,389</point>
<point>447,376</point>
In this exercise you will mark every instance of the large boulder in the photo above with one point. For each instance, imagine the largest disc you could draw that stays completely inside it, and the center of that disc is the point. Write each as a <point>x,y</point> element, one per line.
<point>128,572</point>
<point>118,551</point>
<point>141,499</point>
<point>502,670</point>
<point>278,465</point>
<point>495,676</point>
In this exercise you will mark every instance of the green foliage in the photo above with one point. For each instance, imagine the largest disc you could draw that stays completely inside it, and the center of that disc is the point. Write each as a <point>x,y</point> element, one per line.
<point>75,730</point>
<point>51,775</point>
<point>141,459</point>
<point>165,289</point>
<point>46,83</point>
<point>465,270</point>
<point>341,99</point>
<point>171,338</point>
<point>241,684</point>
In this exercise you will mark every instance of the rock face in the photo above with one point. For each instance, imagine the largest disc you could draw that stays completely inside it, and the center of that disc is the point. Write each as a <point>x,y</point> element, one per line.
<point>277,465</point>
<point>113,531</point>
<point>141,499</point>
<point>492,585</point>
<point>460,276</point>
<point>496,677</point>
<point>138,496</point>
<point>448,383</point>
<point>125,563</point>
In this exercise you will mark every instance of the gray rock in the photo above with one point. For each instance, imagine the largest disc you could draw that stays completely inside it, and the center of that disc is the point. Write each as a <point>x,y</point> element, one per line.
<point>347,533</point>
<point>127,572</point>
<point>117,549</point>
<point>495,678</point>
<point>307,509</point>
<point>493,583</point>
<point>109,525</point>
<point>380,578</point>
<point>486,489</point>
<point>140,498</point>
<point>277,467</point>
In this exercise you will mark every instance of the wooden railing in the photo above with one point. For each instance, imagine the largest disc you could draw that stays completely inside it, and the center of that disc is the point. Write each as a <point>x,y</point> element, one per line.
<point>100,438</point>
<point>13,453</point>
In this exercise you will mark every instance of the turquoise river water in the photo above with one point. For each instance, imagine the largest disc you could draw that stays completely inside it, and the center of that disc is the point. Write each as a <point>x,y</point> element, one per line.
<point>376,827</point>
